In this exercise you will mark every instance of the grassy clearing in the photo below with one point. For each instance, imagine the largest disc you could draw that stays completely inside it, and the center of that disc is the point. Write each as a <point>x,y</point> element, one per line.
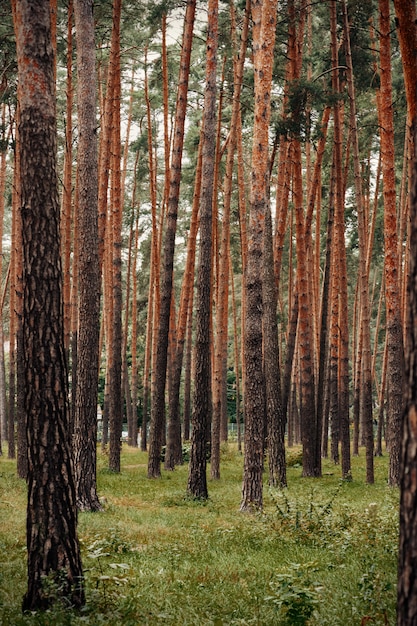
<point>322,552</point>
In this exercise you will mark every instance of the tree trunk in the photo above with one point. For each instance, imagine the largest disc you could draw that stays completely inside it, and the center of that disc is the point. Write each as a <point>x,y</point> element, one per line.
<point>51,514</point>
<point>188,368</point>
<point>407,579</point>
<point>160,366</point>
<point>340,249</point>
<point>220,342</point>
<point>115,379</point>
<point>202,401</point>
<point>89,280</point>
<point>263,38</point>
<point>395,362</point>
<point>171,458</point>
<point>365,371</point>
<point>274,413</point>
<point>66,207</point>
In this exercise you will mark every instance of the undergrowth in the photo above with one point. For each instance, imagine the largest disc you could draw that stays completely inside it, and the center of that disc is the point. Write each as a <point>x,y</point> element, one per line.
<point>322,551</point>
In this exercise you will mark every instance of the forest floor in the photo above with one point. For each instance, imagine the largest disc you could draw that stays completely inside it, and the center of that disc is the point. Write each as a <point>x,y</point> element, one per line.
<point>322,552</point>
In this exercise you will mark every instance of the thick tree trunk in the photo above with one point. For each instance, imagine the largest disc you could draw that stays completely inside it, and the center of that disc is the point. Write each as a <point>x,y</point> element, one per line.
<point>395,348</point>
<point>407,573</point>
<point>51,513</point>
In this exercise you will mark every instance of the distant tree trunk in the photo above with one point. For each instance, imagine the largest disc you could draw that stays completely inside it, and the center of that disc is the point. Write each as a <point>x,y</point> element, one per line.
<point>66,207</point>
<point>366,371</point>
<point>3,401</point>
<point>154,286</point>
<point>115,379</point>
<point>89,279</point>
<point>395,348</point>
<point>311,461</point>
<point>106,130</point>
<point>126,394</point>
<point>285,151</point>
<point>202,400</point>
<point>74,314</point>
<point>51,514</point>
<point>134,374</point>
<point>147,364</point>
<point>220,342</point>
<point>160,366</point>
<point>125,367</point>
<point>172,457</point>
<point>11,412</point>
<point>340,250</point>
<point>188,368</point>
<point>17,375</point>
<point>263,38</point>
<point>274,413</point>
<point>323,370</point>
<point>243,247</point>
<point>237,365</point>
<point>322,333</point>
<point>381,414</point>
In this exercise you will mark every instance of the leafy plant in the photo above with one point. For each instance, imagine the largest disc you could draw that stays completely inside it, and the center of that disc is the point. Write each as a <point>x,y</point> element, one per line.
<point>375,593</point>
<point>308,519</point>
<point>295,596</point>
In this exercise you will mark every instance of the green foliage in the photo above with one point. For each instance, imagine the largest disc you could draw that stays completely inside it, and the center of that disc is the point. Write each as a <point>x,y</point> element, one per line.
<point>295,595</point>
<point>294,457</point>
<point>375,591</point>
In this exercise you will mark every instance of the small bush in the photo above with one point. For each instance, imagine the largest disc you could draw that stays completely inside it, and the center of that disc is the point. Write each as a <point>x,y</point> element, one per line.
<point>294,457</point>
<point>295,596</point>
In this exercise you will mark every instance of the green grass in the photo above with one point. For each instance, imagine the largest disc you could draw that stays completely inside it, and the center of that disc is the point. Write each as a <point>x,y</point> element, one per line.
<point>322,552</point>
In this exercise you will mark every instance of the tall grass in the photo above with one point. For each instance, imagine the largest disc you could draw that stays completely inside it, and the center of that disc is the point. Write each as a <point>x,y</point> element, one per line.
<point>322,552</point>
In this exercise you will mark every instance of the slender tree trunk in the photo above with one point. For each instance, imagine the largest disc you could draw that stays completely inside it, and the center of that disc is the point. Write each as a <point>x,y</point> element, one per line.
<point>3,399</point>
<point>85,427</point>
<point>125,367</point>
<point>158,395</point>
<point>17,357</point>
<point>11,417</point>
<point>116,408</point>
<point>366,371</point>
<point>171,457</point>
<point>134,374</point>
<point>188,369</point>
<point>323,372</point>
<point>275,416</point>
<point>66,207</point>
<point>263,38</point>
<point>343,345</point>
<point>220,343</point>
